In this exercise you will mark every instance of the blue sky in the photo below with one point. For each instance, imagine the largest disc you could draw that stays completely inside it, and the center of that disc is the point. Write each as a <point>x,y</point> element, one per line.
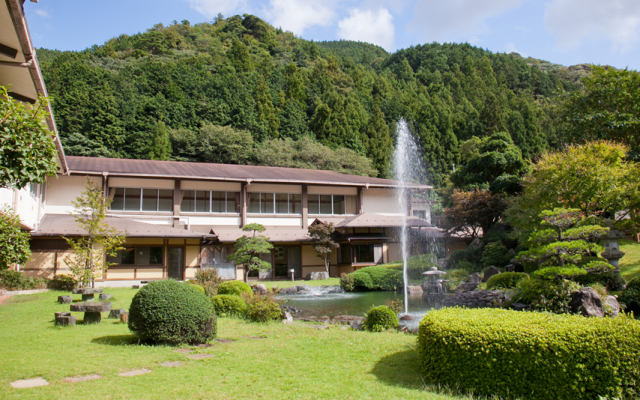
<point>566,32</point>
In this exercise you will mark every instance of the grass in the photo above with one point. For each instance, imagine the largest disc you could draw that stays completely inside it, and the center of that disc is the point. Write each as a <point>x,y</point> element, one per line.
<point>630,263</point>
<point>284,284</point>
<point>291,362</point>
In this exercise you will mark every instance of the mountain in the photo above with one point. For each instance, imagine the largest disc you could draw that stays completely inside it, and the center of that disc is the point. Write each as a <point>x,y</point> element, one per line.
<point>270,89</point>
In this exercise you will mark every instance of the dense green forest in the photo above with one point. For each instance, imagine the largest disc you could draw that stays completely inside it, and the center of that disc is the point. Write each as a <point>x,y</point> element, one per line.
<point>167,94</point>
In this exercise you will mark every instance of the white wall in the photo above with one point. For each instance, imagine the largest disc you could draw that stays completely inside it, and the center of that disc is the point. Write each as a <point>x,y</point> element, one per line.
<point>381,201</point>
<point>297,222</point>
<point>62,190</point>
<point>422,207</point>
<point>27,207</point>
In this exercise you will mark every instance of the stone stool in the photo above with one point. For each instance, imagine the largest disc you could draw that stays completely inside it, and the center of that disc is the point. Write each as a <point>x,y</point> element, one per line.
<point>65,319</point>
<point>65,299</point>
<point>92,310</point>
<point>87,293</point>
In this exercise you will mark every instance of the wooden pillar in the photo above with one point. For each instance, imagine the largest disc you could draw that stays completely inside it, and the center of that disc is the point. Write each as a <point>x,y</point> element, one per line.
<point>105,184</point>
<point>243,204</point>
<point>305,207</point>
<point>177,197</point>
<point>359,209</point>
<point>409,196</point>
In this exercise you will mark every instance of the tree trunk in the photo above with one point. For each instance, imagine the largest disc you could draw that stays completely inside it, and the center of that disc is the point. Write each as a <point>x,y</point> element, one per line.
<point>327,261</point>
<point>246,276</point>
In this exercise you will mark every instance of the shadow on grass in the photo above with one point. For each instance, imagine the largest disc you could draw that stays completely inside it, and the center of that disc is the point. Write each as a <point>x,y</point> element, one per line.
<point>399,369</point>
<point>118,340</point>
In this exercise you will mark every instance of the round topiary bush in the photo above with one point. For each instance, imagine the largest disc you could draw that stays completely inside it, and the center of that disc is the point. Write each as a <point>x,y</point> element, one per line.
<point>530,355</point>
<point>171,312</point>
<point>506,280</point>
<point>197,287</point>
<point>235,288</point>
<point>379,319</point>
<point>631,296</point>
<point>228,305</point>
<point>362,281</point>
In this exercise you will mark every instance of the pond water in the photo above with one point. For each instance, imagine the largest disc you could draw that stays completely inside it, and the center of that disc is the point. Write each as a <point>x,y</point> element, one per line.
<point>334,304</point>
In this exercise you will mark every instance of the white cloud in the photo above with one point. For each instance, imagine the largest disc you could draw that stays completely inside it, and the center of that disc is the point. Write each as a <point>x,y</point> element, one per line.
<point>211,8</point>
<point>572,21</point>
<point>438,20</point>
<point>369,26</point>
<point>298,15</point>
<point>42,13</point>
<point>511,48</point>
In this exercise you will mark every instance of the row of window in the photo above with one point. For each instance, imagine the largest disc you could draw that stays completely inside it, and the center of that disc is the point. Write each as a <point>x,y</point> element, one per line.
<point>139,255</point>
<point>208,201</point>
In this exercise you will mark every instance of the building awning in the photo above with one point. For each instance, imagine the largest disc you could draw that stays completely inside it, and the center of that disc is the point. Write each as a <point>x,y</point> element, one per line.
<point>65,225</point>
<point>372,220</point>
<point>275,234</point>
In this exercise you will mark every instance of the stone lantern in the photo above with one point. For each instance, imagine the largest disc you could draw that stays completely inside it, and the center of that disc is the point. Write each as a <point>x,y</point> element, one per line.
<point>612,251</point>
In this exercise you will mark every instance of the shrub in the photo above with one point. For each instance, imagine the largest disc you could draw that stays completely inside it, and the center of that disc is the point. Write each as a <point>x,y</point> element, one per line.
<point>379,319</point>
<point>346,282</point>
<point>611,280</point>
<point>416,265</point>
<point>262,308</point>
<point>235,288</point>
<point>455,277</point>
<point>631,296</point>
<point>527,355</point>
<point>506,280</point>
<point>362,281</point>
<point>396,305</point>
<point>209,279</point>
<point>495,253</point>
<point>197,287</point>
<point>228,305</point>
<point>62,282</point>
<point>15,280</point>
<point>383,278</point>
<point>168,311</point>
<point>544,295</point>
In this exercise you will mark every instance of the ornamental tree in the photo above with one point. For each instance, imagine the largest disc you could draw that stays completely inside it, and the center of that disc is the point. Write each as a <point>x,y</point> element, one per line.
<point>322,240</point>
<point>27,146</point>
<point>15,242</point>
<point>473,212</point>
<point>100,239</point>
<point>560,247</point>
<point>248,248</point>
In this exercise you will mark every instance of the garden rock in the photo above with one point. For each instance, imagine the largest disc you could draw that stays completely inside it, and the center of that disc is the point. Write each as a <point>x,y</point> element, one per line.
<point>406,318</point>
<point>286,317</point>
<point>75,379</point>
<point>135,372</point>
<point>586,302</point>
<point>475,299</point>
<point>288,290</point>
<point>317,275</point>
<point>259,289</point>
<point>470,285</point>
<point>105,297</point>
<point>65,299</point>
<point>520,307</point>
<point>417,290</point>
<point>302,288</point>
<point>117,314</point>
<point>613,304</point>
<point>489,272</point>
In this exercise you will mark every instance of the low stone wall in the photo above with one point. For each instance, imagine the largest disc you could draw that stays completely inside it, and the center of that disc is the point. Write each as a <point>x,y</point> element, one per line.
<point>17,292</point>
<point>475,299</point>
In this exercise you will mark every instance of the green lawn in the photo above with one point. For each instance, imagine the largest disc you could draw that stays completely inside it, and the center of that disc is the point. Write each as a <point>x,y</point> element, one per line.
<point>630,263</point>
<point>289,283</point>
<point>292,362</point>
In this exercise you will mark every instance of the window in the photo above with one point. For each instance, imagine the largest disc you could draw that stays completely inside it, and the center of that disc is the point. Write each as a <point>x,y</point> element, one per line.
<point>336,204</point>
<point>137,199</point>
<point>360,253</point>
<point>139,255</point>
<point>422,214</point>
<point>206,201</point>
<point>363,253</point>
<point>274,203</point>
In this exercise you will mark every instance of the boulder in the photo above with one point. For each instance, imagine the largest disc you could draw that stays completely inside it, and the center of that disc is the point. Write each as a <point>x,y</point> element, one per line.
<point>587,302</point>
<point>316,276</point>
<point>288,290</point>
<point>406,318</point>
<point>612,304</point>
<point>489,272</point>
<point>470,285</point>
<point>475,278</point>
<point>417,290</point>
<point>303,288</point>
<point>65,299</point>
<point>286,317</point>
<point>259,289</point>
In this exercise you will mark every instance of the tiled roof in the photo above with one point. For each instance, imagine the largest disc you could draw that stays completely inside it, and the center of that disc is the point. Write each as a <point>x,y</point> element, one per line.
<point>223,172</point>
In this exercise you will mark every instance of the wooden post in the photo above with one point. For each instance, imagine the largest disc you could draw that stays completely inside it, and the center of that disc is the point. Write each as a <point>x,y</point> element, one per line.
<point>305,207</point>
<point>177,197</point>
<point>359,201</point>
<point>243,204</point>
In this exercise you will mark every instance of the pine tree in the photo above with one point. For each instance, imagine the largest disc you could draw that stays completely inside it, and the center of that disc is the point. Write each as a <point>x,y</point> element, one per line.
<point>266,110</point>
<point>161,147</point>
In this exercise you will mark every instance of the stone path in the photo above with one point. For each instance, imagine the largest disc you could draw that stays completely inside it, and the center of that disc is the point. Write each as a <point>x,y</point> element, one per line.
<point>200,356</point>
<point>29,383</point>
<point>183,351</point>
<point>74,379</point>
<point>135,372</point>
<point>171,364</point>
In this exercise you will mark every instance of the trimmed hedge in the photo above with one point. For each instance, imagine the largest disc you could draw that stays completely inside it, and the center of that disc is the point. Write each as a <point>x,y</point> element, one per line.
<point>62,282</point>
<point>376,278</point>
<point>197,287</point>
<point>16,280</point>
<point>416,265</point>
<point>168,311</point>
<point>227,305</point>
<point>234,288</point>
<point>379,319</point>
<point>530,355</point>
<point>506,280</point>
<point>631,297</point>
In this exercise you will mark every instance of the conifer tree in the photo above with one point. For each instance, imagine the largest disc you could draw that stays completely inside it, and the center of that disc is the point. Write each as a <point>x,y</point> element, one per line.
<point>266,110</point>
<point>161,147</point>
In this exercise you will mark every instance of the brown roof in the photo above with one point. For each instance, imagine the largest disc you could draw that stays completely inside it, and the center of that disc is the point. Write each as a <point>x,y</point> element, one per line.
<point>274,234</point>
<point>221,172</point>
<point>371,220</point>
<point>65,225</point>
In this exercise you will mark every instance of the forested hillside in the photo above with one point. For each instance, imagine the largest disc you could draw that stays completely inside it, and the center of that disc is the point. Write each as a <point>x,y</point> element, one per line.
<point>167,93</point>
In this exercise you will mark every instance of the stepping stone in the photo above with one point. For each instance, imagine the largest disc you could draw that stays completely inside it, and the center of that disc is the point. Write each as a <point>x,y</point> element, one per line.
<point>203,346</point>
<point>183,351</point>
<point>29,383</point>
<point>253,337</point>
<point>65,299</point>
<point>74,379</point>
<point>135,372</point>
<point>199,356</point>
<point>105,297</point>
<point>171,364</point>
<point>225,340</point>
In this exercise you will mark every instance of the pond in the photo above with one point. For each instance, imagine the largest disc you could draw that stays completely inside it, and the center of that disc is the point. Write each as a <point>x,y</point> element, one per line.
<point>317,303</point>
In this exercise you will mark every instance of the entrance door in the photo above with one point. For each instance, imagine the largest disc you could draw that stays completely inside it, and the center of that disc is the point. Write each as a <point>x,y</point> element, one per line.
<point>176,264</point>
<point>293,259</point>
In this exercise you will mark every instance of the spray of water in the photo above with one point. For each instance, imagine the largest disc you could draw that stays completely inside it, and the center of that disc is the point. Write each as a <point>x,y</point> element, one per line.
<point>407,170</point>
